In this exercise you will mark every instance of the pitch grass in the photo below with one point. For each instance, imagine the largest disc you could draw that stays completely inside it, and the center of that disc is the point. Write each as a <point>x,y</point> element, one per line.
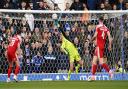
<point>65,85</point>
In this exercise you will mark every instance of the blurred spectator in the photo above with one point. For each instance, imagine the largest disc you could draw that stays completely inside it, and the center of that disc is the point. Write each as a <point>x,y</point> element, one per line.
<point>56,7</point>
<point>86,56</point>
<point>45,36</point>
<point>126,5</point>
<point>33,47</point>
<point>24,33</point>
<point>55,37</point>
<point>107,5</point>
<point>67,27</point>
<point>23,5</point>
<point>120,5</point>
<point>67,6</point>
<point>92,4</point>
<point>83,35</point>
<point>8,21</point>
<point>102,6</point>
<point>20,57</point>
<point>119,67</point>
<point>30,19</point>
<point>8,4</point>
<point>40,7</point>
<point>114,7</point>
<point>27,50</point>
<point>113,2</point>
<point>73,32</point>
<point>16,3</point>
<point>78,45</point>
<point>67,33</point>
<point>24,22</point>
<point>1,27</point>
<point>37,62</point>
<point>3,60</point>
<point>37,46</point>
<point>50,61</point>
<point>76,5</point>
<point>37,35</point>
<point>85,6</point>
<point>45,6</point>
<point>40,47</point>
<point>90,31</point>
<point>45,42</point>
<point>35,4</point>
<point>45,24</point>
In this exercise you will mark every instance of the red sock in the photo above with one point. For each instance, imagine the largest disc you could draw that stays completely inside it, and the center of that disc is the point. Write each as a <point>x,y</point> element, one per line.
<point>106,67</point>
<point>17,70</point>
<point>94,67</point>
<point>9,71</point>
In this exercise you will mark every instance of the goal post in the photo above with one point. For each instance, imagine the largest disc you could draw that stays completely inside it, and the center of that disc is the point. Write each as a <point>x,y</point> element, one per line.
<point>42,58</point>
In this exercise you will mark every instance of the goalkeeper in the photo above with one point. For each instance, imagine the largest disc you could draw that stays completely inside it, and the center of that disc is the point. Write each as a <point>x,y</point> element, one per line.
<point>69,48</point>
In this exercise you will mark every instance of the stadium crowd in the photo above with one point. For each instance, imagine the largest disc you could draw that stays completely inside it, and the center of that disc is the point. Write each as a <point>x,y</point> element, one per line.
<point>75,5</point>
<point>40,46</point>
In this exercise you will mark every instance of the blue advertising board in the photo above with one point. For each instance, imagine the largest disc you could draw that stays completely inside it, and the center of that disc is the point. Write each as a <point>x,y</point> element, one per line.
<point>63,76</point>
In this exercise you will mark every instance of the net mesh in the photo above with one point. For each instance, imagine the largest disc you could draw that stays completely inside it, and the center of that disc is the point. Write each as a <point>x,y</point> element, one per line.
<point>37,27</point>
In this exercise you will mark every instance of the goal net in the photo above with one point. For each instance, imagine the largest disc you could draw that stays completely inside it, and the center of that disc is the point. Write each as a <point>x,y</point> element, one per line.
<point>42,58</point>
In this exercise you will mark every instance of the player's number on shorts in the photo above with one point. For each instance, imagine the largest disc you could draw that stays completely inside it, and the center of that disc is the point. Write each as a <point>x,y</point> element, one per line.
<point>12,42</point>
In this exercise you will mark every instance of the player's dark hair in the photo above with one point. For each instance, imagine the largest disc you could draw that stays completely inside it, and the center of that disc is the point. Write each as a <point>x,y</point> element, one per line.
<point>101,18</point>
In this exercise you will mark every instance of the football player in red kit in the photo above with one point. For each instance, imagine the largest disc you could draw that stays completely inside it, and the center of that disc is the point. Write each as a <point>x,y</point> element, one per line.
<point>100,37</point>
<point>12,52</point>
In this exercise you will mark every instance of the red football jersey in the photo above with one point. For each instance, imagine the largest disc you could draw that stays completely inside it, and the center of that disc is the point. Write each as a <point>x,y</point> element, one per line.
<point>13,45</point>
<point>101,30</point>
